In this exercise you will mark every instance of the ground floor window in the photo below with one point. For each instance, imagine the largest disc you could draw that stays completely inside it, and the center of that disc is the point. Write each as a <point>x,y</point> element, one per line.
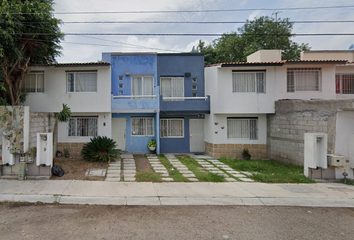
<point>82,127</point>
<point>142,126</point>
<point>172,128</point>
<point>245,128</point>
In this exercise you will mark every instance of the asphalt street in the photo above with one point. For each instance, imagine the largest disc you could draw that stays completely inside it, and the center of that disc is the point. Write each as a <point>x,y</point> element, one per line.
<point>55,221</point>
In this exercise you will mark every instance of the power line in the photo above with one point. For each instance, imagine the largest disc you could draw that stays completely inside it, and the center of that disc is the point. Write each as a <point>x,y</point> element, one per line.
<point>192,22</point>
<point>197,11</point>
<point>186,34</point>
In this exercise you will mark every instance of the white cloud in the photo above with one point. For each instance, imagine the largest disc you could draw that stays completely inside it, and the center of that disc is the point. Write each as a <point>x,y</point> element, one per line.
<point>86,53</point>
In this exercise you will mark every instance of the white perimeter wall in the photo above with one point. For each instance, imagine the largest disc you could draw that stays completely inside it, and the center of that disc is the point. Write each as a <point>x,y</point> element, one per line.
<point>102,130</point>
<point>344,143</point>
<point>55,92</point>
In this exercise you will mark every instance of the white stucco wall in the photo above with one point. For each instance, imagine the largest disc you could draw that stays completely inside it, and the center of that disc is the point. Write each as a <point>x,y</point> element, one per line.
<point>55,91</point>
<point>327,88</point>
<point>244,102</point>
<point>101,131</point>
<point>221,136</point>
<point>327,55</point>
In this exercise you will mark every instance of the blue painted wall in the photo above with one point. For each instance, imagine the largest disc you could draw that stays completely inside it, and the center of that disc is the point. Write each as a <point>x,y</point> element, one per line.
<point>136,64</point>
<point>136,144</point>
<point>177,145</point>
<point>170,65</point>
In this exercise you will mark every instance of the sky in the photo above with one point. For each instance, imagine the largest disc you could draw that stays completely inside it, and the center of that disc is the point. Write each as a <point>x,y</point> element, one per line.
<point>89,48</point>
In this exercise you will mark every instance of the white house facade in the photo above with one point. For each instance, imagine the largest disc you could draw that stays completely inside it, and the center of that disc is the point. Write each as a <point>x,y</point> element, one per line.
<point>243,93</point>
<point>85,88</point>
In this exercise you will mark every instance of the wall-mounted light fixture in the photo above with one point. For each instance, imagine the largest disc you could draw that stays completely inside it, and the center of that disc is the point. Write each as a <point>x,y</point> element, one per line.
<point>127,73</point>
<point>187,74</point>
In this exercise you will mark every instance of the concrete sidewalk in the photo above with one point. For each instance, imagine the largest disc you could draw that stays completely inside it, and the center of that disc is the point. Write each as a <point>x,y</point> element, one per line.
<point>125,193</point>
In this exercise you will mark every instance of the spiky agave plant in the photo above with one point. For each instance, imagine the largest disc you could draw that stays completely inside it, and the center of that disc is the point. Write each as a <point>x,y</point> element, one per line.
<point>100,149</point>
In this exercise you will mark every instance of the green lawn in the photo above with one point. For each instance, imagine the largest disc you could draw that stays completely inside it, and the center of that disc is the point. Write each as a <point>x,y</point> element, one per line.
<point>269,171</point>
<point>202,174</point>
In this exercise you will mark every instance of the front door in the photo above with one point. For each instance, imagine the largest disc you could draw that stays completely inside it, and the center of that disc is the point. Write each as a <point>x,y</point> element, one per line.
<point>196,135</point>
<point>119,132</point>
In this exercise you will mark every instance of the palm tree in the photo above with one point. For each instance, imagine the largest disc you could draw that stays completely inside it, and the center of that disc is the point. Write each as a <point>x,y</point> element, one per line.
<point>62,116</point>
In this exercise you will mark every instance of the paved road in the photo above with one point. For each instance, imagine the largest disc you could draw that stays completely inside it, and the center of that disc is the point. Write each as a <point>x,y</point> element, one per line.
<point>30,221</point>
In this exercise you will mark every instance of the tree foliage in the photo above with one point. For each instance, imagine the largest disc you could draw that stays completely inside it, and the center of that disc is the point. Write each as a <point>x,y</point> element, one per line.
<point>28,34</point>
<point>261,33</point>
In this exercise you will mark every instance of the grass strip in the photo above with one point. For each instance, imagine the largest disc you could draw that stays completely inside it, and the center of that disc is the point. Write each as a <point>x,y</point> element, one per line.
<point>269,171</point>
<point>201,173</point>
<point>172,171</point>
<point>144,176</point>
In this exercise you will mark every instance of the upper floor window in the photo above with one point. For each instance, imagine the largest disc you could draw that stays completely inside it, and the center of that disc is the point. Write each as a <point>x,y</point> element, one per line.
<point>253,81</point>
<point>344,83</point>
<point>172,87</point>
<point>142,85</point>
<point>81,81</point>
<point>82,127</point>
<point>246,128</point>
<point>303,79</point>
<point>34,82</point>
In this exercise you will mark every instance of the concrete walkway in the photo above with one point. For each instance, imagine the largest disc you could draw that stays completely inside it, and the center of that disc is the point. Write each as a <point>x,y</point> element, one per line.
<point>168,193</point>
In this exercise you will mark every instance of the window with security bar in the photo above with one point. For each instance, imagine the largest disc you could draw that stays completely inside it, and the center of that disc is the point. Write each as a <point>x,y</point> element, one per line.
<point>172,128</point>
<point>172,87</point>
<point>82,127</point>
<point>81,81</point>
<point>245,128</point>
<point>34,82</point>
<point>345,83</point>
<point>303,79</point>
<point>142,126</point>
<point>249,81</point>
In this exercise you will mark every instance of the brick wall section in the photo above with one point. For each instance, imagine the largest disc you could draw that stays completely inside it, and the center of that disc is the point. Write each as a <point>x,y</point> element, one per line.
<point>293,118</point>
<point>40,123</point>
<point>73,148</point>
<point>257,151</point>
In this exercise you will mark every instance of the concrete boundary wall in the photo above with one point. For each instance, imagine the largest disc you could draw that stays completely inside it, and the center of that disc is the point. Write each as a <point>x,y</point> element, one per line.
<point>293,118</point>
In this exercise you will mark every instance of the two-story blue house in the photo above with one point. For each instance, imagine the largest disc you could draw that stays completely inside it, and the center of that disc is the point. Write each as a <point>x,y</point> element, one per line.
<point>183,103</point>
<point>158,96</point>
<point>135,100</point>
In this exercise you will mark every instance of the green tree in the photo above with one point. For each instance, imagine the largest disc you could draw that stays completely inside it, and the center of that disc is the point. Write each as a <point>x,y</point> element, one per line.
<point>261,33</point>
<point>62,116</point>
<point>28,34</point>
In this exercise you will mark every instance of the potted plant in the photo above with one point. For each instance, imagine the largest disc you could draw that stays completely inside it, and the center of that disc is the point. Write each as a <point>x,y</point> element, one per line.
<point>246,154</point>
<point>152,145</point>
<point>66,153</point>
<point>59,154</point>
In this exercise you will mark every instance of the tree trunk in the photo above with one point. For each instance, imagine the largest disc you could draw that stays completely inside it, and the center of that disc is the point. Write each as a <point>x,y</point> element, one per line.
<point>13,78</point>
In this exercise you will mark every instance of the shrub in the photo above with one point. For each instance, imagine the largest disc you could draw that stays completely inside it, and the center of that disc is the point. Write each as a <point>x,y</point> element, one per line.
<point>100,149</point>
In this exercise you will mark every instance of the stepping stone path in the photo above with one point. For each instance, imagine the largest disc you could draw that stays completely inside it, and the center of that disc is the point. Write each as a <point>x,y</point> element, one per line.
<point>122,172</point>
<point>159,167</point>
<point>114,171</point>
<point>181,168</point>
<point>129,167</point>
<point>217,167</point>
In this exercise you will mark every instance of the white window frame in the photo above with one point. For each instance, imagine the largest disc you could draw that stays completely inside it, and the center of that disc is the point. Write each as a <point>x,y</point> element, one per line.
<point>75,120</point>
<point>143,83</point>
<point>75,73</point>
<point>293,77</point>
<point>36,87</point>
<point>255,84</point>
<point>339,77</point>
<point>169,129</point>
<point>144,127</point>
<point>249,125</point>
<point>181,79</point>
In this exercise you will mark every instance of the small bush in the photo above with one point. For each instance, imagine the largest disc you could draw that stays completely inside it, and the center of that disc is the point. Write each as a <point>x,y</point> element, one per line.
<point>100,149</point>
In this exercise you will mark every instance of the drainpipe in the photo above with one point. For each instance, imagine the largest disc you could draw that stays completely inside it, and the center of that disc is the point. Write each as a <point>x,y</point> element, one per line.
<point>157,133</point>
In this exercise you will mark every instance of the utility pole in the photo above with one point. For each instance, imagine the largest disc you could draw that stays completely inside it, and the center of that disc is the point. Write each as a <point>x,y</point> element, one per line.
<point>276,29</point>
